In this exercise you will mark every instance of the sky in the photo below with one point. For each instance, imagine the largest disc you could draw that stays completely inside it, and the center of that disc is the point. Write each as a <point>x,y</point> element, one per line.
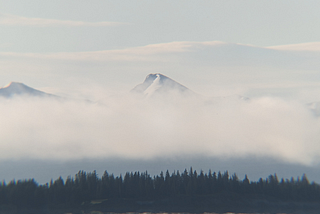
<point>71,25</point>
<point>267,51</point>
<point>32,30</point>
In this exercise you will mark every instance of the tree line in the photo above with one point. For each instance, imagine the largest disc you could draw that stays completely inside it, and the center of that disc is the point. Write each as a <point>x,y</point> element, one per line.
<point>86,187</point>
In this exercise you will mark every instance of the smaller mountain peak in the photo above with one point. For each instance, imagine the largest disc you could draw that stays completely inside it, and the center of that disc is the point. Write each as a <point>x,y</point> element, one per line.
<point>14,84</point>
<point>18,88</point>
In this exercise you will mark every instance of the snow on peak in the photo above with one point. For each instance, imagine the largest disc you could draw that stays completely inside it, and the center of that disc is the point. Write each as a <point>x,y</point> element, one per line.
<point>155,85</point>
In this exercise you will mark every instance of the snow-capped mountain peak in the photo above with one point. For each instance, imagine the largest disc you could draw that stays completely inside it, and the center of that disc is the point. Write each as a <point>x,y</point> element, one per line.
<point>159,83</point>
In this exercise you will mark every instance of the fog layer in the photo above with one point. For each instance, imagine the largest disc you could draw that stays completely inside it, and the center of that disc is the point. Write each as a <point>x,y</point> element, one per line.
<point>140,129</point>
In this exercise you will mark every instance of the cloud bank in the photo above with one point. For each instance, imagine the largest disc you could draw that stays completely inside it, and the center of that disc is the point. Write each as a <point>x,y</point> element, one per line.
<point>129,128</point>
<point>13,20</point>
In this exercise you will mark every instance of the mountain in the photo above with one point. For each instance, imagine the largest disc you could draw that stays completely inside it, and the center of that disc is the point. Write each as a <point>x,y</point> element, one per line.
<point>159,84</point>
<point>20,89</point>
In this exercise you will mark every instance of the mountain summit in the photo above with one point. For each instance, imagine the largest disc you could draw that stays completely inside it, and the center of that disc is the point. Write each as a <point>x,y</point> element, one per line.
<point>20,89</point>
<point>156,84</point>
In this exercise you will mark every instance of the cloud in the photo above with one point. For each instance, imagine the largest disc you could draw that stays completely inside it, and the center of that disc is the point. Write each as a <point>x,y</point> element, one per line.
<point>144,53</point>
<point>124,127</point>
<point>311,46</point>
<point>205,54</point>
<point>13,20</point>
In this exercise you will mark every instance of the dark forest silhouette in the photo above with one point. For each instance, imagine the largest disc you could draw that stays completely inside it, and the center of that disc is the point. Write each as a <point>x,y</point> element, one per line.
<point>86,189</point>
